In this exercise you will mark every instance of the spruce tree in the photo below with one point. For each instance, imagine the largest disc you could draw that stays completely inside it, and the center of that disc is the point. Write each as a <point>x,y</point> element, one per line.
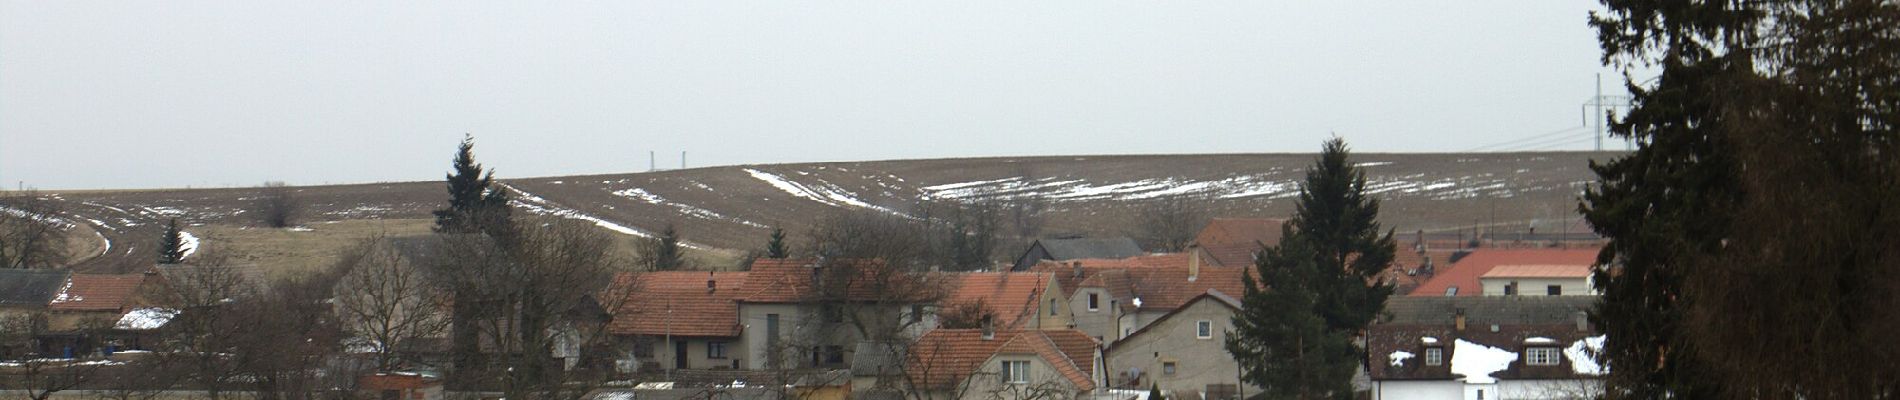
<point>1280,339</point>
<point>1752,250</point>
<point>475,206</point>
<point>1340,221</point>
<point>1316,288</point>
<point>1154,392</point>
<point>776,248</point>
<point>171,244</point>
<point>665,253</point>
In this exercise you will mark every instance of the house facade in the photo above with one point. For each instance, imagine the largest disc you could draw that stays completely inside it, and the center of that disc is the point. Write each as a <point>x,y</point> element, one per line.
<point>1485,348</point>
<point>679,320</point>
<point>1182,352</point>
<point>972,364</point>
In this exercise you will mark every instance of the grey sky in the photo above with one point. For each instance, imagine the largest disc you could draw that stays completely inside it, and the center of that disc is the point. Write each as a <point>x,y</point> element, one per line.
<point>169,94</point>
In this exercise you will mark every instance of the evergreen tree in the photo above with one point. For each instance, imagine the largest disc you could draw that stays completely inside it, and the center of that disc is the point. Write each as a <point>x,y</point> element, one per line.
<point>776,248</point>
<point>475,206</point>
<point>664,252</point>
<point>1294,338</point>
<point>1154,392</point>
<point>1281,342</point>
<point>1339,221</point>
<point>1752,249</point>
<point>171,244</point>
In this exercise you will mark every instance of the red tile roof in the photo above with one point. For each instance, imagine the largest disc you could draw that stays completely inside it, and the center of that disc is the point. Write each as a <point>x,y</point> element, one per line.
<point>93,292</point>
<point>791,281</point>
<point>1240,230</point>
<point>1012,296</point>
<point>1464,275</point>
<point>1160,282</point>
<point>947,357</point>
<point>1539,271</point>
<point>678,303</point>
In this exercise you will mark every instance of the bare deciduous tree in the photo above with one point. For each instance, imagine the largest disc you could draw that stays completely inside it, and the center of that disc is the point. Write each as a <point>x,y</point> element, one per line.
<point>276,205</point>
<point>385,301</point>
<point>532,286</point>
<point>32,234</point>
<point>1168,223</point>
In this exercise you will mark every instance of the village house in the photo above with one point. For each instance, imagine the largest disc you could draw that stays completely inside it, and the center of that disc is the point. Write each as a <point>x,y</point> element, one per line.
<point>679,320</point>
<point>1484,347</point>
<point>24,296</point>
<point>104,313</point>
<point>811,313</point>
<point>973,364</point>
<point>1074,249</point>
<point>1535,270</point>
<point>1014,300</point>
<point>1112,299</point>
<point>1183,352</point>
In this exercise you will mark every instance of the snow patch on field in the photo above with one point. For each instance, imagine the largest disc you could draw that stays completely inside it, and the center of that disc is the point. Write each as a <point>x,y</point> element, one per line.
<point>822,192</point>
<point>654,199</point>
<point>540,206</point>
<point>187,244</point>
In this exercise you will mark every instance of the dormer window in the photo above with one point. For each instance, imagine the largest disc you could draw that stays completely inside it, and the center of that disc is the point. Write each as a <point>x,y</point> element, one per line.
<point>1540,356</point>
<point>1435,356</point>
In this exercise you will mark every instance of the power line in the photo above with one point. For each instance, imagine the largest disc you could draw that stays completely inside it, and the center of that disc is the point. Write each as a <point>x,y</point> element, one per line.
<point>1532,138</point>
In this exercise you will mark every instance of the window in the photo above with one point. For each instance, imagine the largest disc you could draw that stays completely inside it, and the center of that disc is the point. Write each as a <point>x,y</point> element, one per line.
<point>771,329</point>
<point>1015,372</point>
<point>716,350</point>
<point>1451,291</point>
<point>1511,289</point>
<point>1204,329</point>
<point>1095,302</point>
<point>834,355</point>
<point>391,394</point>
<point>1554,290</point>
<point>1435,356</point>
<point>916,313</point>
<point>1052,307</point>
<point>1480,394</point>
<point>1167,368</point>
<point>1540,356</point>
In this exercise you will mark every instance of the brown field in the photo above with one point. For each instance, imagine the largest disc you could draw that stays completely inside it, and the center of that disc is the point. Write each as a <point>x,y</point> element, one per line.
<point>726,211</point>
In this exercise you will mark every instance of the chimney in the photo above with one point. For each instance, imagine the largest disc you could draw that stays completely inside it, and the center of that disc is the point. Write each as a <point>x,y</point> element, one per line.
<point>1583,321</point>
<point>989,327</point>
<point>1458,320</point>
<point>710,287</point>
<point>1077,267</point>
<point>1427,268</point>
<point>1194,262</point>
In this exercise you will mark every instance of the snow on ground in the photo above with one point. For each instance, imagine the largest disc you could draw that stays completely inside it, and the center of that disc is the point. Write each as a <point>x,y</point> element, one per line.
<point>107,247</point>
<point>1399,357</point>
<point>1582,355</point>
<point>1477,362</point>
<point>188,243</point>
<point>650,198</point>
<point>300,229</point>
<point>822,192</point>
<point>145,318</point>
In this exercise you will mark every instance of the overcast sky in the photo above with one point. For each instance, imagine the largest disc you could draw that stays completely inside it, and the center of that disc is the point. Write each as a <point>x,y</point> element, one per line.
<point>172,94</point>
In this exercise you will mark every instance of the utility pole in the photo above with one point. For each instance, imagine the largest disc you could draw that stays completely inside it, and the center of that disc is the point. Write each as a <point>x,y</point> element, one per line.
<point>682,159</point>
<point>1598,103</point>
<point>650,163</point>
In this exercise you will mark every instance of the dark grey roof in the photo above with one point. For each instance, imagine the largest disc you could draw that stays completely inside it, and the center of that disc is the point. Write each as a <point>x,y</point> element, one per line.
<point>1481,310</point>
<point>30,287</point>
<point>1072,249</point>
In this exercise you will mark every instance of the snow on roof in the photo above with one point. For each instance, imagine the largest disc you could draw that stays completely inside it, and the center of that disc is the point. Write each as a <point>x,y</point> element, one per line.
<point>145,318</point>
<point>1428,340</point>
<point>1581,356</point>
<point>1399,357</point>
<point>1477,362</point>
<point>1540,340</point>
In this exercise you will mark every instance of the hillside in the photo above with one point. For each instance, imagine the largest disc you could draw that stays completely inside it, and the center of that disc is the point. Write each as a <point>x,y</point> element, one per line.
<point>726,210</point>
